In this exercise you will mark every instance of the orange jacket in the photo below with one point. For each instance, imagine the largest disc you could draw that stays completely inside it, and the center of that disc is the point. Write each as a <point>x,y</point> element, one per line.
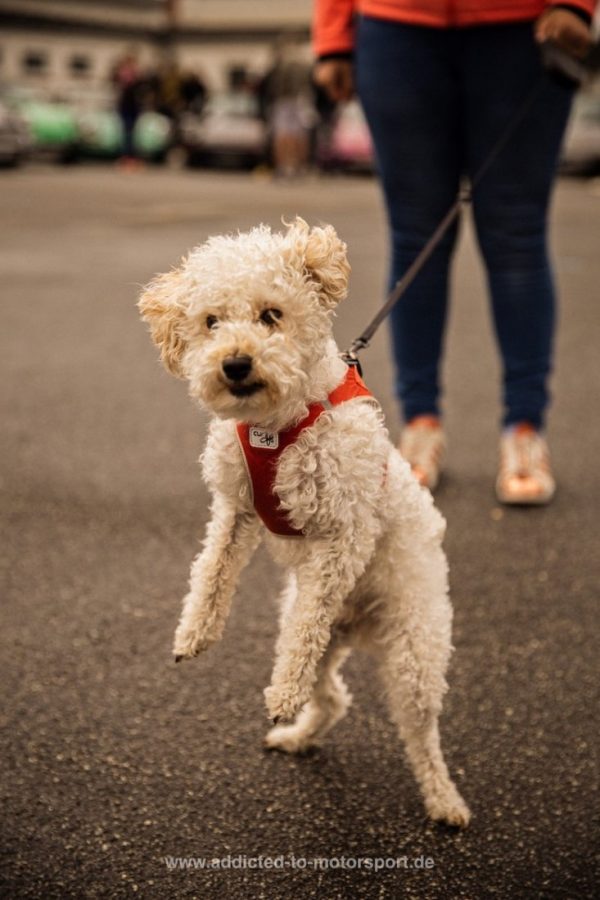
<point>333,29</point>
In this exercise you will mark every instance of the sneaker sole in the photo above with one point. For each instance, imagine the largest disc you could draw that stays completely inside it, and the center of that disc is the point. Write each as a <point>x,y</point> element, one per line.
<point>512,500</point>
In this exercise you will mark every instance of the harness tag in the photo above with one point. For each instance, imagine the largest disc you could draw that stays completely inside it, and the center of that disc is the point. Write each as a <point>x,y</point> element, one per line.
<point>264,440</point>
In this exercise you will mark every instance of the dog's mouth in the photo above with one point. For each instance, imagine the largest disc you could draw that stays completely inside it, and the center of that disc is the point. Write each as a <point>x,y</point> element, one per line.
<point>245,390</point>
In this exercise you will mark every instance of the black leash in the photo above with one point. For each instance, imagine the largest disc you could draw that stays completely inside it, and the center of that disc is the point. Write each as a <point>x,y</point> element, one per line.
<point>558,64</point>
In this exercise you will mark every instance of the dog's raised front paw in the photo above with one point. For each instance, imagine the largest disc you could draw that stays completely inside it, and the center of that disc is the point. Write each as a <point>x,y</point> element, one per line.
<point>189,642</point>
<point>282,705</point>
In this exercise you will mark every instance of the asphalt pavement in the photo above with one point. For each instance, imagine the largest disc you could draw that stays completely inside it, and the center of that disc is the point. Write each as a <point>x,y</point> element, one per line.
<point>115,762</point>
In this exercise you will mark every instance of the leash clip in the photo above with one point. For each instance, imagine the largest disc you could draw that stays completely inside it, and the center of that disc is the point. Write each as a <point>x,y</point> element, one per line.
<point>350,358</point>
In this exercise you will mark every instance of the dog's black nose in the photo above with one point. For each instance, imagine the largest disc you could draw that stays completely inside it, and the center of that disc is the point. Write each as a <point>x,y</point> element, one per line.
<point>237,368</point>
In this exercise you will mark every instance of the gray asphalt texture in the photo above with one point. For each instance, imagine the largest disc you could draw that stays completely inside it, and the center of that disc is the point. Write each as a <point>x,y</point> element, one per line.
<point>113,758</point>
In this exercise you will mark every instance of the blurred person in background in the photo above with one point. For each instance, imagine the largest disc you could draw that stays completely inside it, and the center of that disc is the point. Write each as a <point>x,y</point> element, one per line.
<point>286,95</point>
<point>167,89</point>
<point>193,92</point>
<point>439,83</point>
<point>131,88</point>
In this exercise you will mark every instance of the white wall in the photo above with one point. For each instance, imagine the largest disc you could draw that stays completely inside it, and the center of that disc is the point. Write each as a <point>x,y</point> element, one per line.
<point>246,13</point>
<point>59,49</point>
<point>211,60</point>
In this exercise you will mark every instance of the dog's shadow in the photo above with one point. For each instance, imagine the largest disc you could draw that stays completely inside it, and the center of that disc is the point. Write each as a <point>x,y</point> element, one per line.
<point>338,789</point>
<point>355,800</point>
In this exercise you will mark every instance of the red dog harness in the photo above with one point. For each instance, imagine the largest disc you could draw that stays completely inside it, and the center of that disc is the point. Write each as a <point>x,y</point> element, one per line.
<point>262,450</point>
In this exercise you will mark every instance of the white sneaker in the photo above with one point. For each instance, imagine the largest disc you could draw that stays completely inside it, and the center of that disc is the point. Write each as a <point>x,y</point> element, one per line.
<point>423,445</point>
<point>524,477</point>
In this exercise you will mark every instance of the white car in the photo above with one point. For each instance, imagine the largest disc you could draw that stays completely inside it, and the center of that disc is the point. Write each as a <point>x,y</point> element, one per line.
<point>229,130</point>
<point>15,137</point>
<point>581,147</point>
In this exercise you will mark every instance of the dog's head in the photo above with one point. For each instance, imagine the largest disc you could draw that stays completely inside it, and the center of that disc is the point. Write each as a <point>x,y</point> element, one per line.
<point>246,318</point>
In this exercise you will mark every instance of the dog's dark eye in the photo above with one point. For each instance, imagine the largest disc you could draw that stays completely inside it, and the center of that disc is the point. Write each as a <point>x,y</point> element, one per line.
<point>270,316</point>
<point>211,321</point>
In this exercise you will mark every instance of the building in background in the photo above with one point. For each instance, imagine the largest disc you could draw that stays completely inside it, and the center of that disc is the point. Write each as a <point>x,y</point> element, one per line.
<point>66,45</point>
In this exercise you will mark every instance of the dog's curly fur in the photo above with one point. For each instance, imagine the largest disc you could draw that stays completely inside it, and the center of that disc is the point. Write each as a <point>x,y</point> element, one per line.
<point>369,570</point>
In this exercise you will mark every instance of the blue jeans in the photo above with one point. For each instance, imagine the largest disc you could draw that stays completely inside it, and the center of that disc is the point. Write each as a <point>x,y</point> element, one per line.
<point>436,101</point>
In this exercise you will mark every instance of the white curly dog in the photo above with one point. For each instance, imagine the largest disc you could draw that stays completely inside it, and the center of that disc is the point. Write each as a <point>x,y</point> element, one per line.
<point>298,454</point>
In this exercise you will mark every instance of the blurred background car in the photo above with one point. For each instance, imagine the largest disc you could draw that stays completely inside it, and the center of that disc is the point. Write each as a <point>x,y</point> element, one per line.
<point>52,121</point>
<point>581,146</point>
<point>344,143</point>
<point>101,130</point>
<point>81,125</point>
<point>15,137</point>
<point>229,131</point>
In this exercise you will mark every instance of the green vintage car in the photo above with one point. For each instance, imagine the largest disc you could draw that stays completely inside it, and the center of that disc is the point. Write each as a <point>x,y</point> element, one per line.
<point>101,131</point>
<point>52,122</point>
<point>101,135</point>
<point>84,125</point>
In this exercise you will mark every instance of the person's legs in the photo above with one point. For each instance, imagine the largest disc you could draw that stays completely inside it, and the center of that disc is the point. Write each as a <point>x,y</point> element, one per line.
<point>408,84</point>
<point>500,66</point>
<point>128,120</point>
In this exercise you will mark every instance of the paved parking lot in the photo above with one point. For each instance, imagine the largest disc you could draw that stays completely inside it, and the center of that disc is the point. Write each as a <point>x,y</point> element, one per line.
<point>115,762</point>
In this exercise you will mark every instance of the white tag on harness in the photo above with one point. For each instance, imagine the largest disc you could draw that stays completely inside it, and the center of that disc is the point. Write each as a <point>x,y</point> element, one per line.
<point>264,440</point>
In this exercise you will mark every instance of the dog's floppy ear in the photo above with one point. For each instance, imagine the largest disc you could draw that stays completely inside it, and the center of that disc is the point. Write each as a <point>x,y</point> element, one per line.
<point>324,258</point>
<point>164,312</point>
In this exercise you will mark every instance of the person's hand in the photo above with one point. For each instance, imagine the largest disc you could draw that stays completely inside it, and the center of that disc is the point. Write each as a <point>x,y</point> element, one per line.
<point>336,78</point>
<point>565,29</point>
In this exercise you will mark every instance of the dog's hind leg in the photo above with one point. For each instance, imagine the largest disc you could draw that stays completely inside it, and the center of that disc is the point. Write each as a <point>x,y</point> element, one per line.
<point>414,697</point>
<point>329,703</point>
